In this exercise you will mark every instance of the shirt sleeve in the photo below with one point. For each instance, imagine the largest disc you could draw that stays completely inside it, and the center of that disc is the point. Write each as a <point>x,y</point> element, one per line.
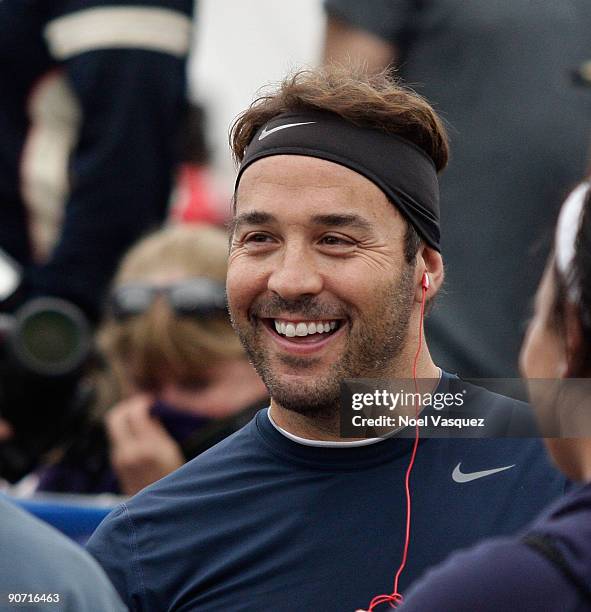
<point>387,19</point>
<point>42,563</point>
<point>125,65</point>
<point>496,575</point>
<point>88,589</point>
<point>113,545</point>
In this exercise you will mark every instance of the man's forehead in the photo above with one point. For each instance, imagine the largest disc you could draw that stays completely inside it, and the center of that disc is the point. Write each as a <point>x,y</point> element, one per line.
<point>286,184</point>
<point>302,171</point>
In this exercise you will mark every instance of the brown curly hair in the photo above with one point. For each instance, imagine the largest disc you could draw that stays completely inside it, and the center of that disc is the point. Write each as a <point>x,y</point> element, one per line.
<point>376,101</point>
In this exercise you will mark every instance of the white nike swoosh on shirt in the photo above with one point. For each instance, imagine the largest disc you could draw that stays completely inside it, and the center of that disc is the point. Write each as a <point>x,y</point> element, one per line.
<point>462,477</point>
<point>267,132</point>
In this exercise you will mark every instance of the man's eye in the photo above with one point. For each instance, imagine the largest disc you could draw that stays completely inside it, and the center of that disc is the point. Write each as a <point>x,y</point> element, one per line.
<point>257,238</point>
<point>336,241</point>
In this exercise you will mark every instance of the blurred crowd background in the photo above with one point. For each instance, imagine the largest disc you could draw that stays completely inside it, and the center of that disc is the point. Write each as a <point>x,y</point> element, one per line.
<point>118,360</point>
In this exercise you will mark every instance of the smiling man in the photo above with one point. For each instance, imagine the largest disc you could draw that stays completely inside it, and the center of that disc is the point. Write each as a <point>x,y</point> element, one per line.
<point>320,287</point>
<point>334,247</point>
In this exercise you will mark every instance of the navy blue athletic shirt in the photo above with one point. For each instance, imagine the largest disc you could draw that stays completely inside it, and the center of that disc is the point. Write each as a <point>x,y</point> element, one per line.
<point>260,522</point>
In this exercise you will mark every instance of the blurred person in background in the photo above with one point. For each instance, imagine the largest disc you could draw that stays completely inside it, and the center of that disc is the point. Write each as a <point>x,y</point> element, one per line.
<point>548,565</point>
<point>499,73</point>
<point>178,378</point>
<point>92,99</point>
<point>92,93</point>
<point>196,197</point>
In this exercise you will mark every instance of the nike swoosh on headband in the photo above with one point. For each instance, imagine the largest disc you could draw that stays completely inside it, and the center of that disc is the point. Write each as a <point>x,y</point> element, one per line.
<point>400,168</point>
<point>462,477</point>
<point>267,132</point>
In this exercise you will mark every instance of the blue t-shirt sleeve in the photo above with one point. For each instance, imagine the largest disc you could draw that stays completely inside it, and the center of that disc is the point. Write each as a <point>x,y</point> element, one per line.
<point>386,19</point>
<point>114,546</point>
<point>497,575</point>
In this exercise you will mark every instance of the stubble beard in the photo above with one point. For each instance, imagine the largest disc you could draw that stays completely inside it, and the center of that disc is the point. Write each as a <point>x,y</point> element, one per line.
<point>372,350</point>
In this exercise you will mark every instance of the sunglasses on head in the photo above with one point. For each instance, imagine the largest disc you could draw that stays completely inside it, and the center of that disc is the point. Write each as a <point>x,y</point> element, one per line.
<point>198,297</point>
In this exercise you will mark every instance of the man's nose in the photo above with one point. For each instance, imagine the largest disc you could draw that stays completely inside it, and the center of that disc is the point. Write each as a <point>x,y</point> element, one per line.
<point>296,274</point>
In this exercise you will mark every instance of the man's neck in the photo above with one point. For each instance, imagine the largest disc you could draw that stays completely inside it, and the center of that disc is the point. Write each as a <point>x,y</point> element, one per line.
<point>327,427</point>
<point>324,429</point>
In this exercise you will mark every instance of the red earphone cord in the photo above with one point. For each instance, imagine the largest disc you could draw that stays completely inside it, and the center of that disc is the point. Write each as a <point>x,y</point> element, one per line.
<point>396,597</point>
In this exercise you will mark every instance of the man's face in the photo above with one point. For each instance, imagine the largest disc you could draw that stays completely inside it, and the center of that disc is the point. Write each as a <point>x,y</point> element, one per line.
<point>318,286</point>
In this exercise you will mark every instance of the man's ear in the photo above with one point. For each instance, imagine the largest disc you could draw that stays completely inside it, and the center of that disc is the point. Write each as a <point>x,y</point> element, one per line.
<point>574,342</point>
<point>428,260</point>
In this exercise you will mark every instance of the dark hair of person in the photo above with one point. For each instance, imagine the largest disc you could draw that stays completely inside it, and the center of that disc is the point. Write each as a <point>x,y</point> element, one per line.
<point>412,242</point>
<point>376,101</point>
<point>191,142</point>
<point>580,276</point>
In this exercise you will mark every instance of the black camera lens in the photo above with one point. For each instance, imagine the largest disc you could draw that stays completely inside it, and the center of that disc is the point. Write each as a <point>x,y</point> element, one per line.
<point>51,337</point>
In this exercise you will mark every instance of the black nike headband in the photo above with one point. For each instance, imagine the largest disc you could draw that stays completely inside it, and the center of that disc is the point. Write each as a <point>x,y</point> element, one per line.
<point>403,171</point>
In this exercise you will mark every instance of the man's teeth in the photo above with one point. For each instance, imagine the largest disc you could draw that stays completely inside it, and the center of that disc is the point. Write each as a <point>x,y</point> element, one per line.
<point>304,329</point>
